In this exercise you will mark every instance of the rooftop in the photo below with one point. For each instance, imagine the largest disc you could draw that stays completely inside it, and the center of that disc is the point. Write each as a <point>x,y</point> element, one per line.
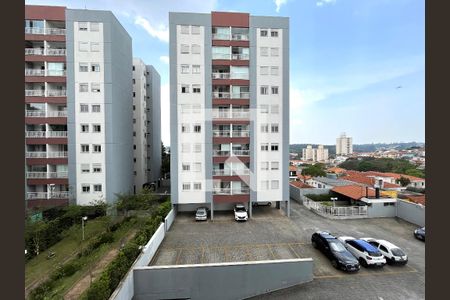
<point>300,185</point>
<point>355,192</point>
<point>332,181</point>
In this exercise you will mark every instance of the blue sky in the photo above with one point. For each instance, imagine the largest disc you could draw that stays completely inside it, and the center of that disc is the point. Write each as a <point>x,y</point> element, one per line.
<point>346,59</point>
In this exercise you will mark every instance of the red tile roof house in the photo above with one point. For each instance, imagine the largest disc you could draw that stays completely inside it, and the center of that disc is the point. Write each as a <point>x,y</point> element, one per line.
<point>370,180</point>
<point>292,173</point>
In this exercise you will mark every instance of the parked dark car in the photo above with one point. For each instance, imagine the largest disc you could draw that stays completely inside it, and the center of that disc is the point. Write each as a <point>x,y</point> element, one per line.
<point>419,233</point>
<point>339,256</point>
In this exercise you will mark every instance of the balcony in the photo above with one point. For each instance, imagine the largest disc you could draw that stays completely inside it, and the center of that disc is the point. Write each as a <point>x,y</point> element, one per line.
<point>34,93</point>
<point>228,152</point>
<point>241,133</point>
<point>46,134</point>
<point>34,72</point>
<point>240,114</point>
<point>40,30</point>
<point>48,51</point>
<point>46,175</point>
<point>221,56</point>
<point>47,195</point>
<point>56,93</point>
<point>239,37</point>
<point>221,36</point>
<point>233,114</point>
<point>221,152</point>
<point>229,191</point>
<point>220,75</point>
<point>44,114</point>
<point>221,95</point>
<point>221,133</point>
<point>240,56</point>
<point>241,152</point>
<point>34,30</point>
<point>241,95</point>
<point>228,172</point>
<point>35,154</point>
<point>55,52</point>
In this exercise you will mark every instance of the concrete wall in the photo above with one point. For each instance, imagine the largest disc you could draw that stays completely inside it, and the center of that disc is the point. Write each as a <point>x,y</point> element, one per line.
<point>220,281</point>
<point>378,210</point>
<point>154,127</point>
<point>299,194</point>
<point>411,212</point>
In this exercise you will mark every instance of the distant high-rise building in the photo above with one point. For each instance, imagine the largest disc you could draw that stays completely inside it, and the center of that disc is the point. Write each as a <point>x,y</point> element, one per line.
<point>344,145</point>
<point>319,154</point>
<point>308,153</point>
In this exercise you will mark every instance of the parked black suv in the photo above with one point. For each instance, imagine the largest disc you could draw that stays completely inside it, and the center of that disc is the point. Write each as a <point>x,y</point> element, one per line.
<point>340,257</point>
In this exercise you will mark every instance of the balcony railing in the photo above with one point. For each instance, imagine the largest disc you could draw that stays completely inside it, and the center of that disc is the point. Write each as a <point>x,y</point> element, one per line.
<point>241,152</point>
<point>221,133</point>
<point>221,152</point>
<point>239,37</point>
<point>242,191</point>
<point>35,113</point>
<point>48,195</point>
<point>240,56</point>
<point>34,30</point>
<point>241,172</point>
<point>35,134</point>
<point>55,31</point>
<point>221,56</point>
<point>56,73</point>
<point>48,51</point>
<point>229,191</point>
<point>221,36</point>
<point>35,154</point>
<point>218,75</point>
<point>34,93</point>
<point>221,95</point>
<point>222,191</point>
<point>241,133</point>
<point>221,114</point>
<point>34,51</point>
<point>240,114</point>
<point>34,72</point>
<point>221,172</point>
<point>241,95</point>
<point>46,175</point>
<point>56,93</point>
<point>57,114</point>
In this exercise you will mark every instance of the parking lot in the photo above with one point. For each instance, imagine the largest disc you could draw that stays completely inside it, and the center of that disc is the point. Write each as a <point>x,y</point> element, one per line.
<point>270,235</point>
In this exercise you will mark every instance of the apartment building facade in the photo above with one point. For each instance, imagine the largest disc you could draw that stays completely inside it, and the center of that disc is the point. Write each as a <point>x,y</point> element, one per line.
<point>229,76</point>
<point>344,145</point>
<point>78,106</point>
<point>319,154</point>
<point>146,124</point>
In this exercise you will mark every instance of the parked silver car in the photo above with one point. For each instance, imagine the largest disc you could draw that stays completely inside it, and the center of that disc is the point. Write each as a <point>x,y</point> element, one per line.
<point>201,214</point>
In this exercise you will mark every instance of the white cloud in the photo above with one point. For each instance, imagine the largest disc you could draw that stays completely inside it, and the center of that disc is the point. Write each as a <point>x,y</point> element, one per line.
<point>161,33</point>
<point>278,3</point>
<point>164,59</point>
<point>325,2</point>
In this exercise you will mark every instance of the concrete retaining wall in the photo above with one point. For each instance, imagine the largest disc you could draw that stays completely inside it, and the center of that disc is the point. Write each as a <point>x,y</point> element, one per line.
<point>299,194</point>
<point>411,212</point>
<point>220,281</point>
<point>378,210</point>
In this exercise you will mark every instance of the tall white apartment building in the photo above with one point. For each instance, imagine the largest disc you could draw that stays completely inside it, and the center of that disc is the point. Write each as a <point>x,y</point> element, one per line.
<point>78,96</point>
<point>344,145</point>
<point>308,153</point>
<point>146,124</point>
<point>229,97</point>
<point>319,154</point>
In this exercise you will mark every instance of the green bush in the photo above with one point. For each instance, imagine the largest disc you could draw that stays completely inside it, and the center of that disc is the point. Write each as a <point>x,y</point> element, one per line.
<point>41,292</point>
<point>99,289</point>
<point>66,270</point>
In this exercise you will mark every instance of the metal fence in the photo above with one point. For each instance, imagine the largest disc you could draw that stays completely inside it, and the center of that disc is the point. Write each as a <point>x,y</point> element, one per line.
<point>330,211</point>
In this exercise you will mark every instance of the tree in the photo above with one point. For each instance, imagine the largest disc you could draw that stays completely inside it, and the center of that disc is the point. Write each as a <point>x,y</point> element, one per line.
<point>314,170</point>
<point>165,160</point>
<point>404,181</point>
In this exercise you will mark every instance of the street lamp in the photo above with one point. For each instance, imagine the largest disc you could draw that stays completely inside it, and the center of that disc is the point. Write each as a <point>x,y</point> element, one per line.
<point>334,199</point>
<point>82,225</point>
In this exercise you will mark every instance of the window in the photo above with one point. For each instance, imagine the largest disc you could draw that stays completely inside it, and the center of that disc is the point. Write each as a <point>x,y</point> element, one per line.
<point>95,26</point>
<point>83,46</point>
<point>264,128</point>
<point>184,49</point>
<point>275,184</point>
<point>95,47</point>
<point>275,108</point>
<point>84,108</point>
<point>383,248</point>
<point>264,70</point>
<point>185,128</point>
<point>134,147</point>
<point>196,108</point>
<point>185,88</point>
<point>134,120</point>
<point>97,148</point>
<point>84,148</point>
<point>185,167</point>
<point>274,147</point>
<point>274,51</point>
<point>96,128</point>
<point>96,168</point>
<point>134,68</point>
<point>195,69</point>
<point>134,81</point>
<point>84,128</point>
<point>197,167</point>
<point>85,168</point>
<point>185,148</point>
<point>275,165</point>
<point>263,32</point>
<point>84,87</point>
<point>134,94</point>
<point>264,147</point>
<point>265,165</point>
<point>274,33</point>
<point>197,186</point>
<point>85,188</point>
<point>184,29</point>
<point>264,51</point>
<point>195,49</point>
<point>97,188</point>
<point>274,71</point>
<point>195,29</point>
<point>83,67</point>
<point>82,26</point>
<point>197,128</point>
<point>264,90</point>
<point>264,108</point>
<point>96,68</point>
<point>197,147</point>
<point>186,186</point>
<point>96,108</point>
<point>196,88</point>
<point>265,184</point>
<point>184,69</point>
<point>274,90</point>
<point>95,87</point>
<point>274,128</point>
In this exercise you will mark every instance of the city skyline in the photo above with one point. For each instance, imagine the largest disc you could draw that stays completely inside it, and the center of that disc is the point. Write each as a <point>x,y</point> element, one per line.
<point>356,66</point>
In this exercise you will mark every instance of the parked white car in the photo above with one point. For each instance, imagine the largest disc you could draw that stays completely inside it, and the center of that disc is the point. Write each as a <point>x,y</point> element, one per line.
<point>366,254</point>
<point>392,253</point>
<point>240,213</point>
<point>201,214</point>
